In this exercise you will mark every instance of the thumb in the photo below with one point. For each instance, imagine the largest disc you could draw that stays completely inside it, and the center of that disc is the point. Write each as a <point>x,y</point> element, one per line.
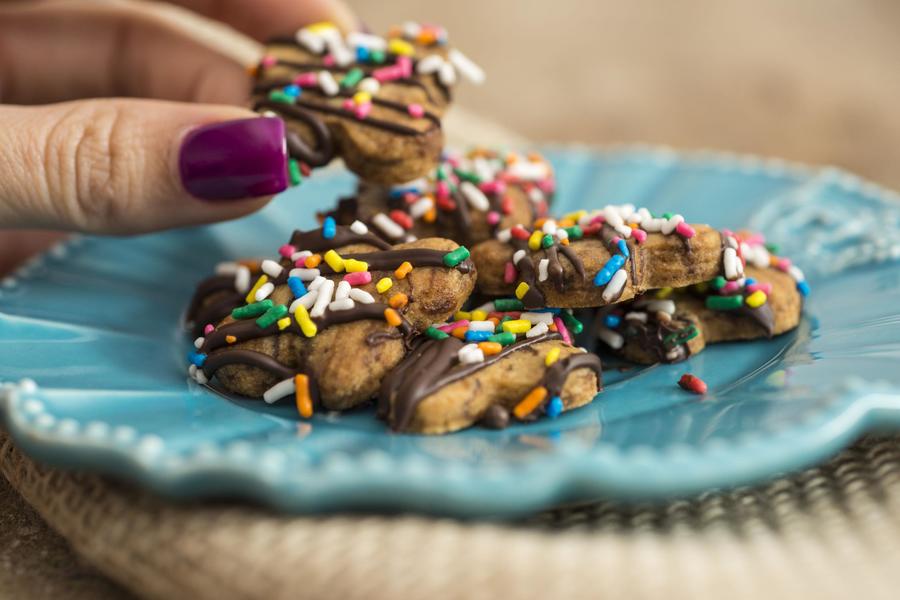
<point>129,166</point>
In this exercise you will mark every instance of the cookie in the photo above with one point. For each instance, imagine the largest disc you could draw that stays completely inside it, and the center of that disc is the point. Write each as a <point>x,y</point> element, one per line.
<point>467,198</point>
<point>589,259</point>
<point>375,102</point>
<point>331,318</point>
<point>488,371</point>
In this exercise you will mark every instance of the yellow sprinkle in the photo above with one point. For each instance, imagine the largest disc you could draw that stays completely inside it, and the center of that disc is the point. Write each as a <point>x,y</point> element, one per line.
<point>284,323</point>
<point>321,26</point>
<point>521,290</point>
<point>306,324</point>
<point>534,242</point>
<point>355,266</point>
<point>574,216</point>
<point>362,97</point>
<point>530,402</point>
<point>403,270</point>
<point>479,315</point>
<point>552,356</point>
<point>334,261</point>
<point>664,292</point>
<point>756,299</point>
<point>516,326</point>
<point>251,295</point>
<point>462,315</point>
<point>384,284</point>
<point>398,46</point>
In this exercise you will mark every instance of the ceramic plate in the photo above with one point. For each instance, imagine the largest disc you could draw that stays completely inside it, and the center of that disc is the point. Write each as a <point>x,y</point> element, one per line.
<point>89,334</point>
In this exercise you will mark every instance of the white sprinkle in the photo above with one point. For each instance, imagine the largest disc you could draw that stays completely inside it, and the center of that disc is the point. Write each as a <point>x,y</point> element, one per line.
<point>283,388</point>
<point>730,262</point>
<point>200,377</point>
<point>487,307</point>
<point>528,170</point>
<point>795,272</point>
<point>671,223</point>
<point>313,42</point>
<point>198,343</point>
<point>326,291</point>
<point>549,227</point>
<point>730,242</point>
<point>388,226</point>
<point>447,74</point>
<point>759,257</point>
<point>666,306</point>
<point>470,354</point>
<point>476,197</point>
<point>192,369</point>
<point>517,256</point>
<point>481,326</point>
<point>342,54</point>
<point>305,274</point>
<point>535,195</point>
<point>430,64</point>
<point>483,169</point>
<point>361,296</point>
<point>359,228</point>
<point>673,353</point>
<point>641,216</point>
<point>464,65</point>
<point>623,230</point>
<point>343,290</point>
<point>302,254</point>
<point>411,29</point>
<point>306,301</point>
<point>636,316</point>
<point>421,206</point>
<point>539,329</point>
<point>615,286</point>
<point>543,265</point>
<point>504,235</point>
<point>342,304</point>
<point>370,85</point>
<point>409,238</point>
<point>271,268</point>
<point>653,225</point>
<point>537,317</point>
<point>612,216</point>
<point>242,280</point>
<point>328,84</point>
<point>226,268</point>
<point>264,291</point>
<point>626,210</point>
<point>561,234</point>
<point>586,218</point>
<point>316,283</point>
<point>366,40</point>
<point>610,338</point>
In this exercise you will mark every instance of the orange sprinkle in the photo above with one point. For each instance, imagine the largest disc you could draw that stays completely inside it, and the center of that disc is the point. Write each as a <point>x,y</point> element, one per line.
<point>564,241</point>
<point>301,394</point>
<point>530,402</point>
<point>535,157</point>
<point>459,332</point>
<point>392,317</point>
<point>494,320</point>
<point>398,300</point>
<point>430,216</point>
<point>633,225</point>
<point>230,339</point>
<point>427,37</point>
<point>253,265</point>
<point>538,223</point>
<point>489,348</point>
<point>773,260</point>
<point>511,158</point>
<point>403,270</point>
<point>566,223</point>
<point>312,261</point>
<point>552,327</point>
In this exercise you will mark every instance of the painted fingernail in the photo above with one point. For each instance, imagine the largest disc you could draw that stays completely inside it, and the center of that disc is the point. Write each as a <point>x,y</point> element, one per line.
<point>235,159</point>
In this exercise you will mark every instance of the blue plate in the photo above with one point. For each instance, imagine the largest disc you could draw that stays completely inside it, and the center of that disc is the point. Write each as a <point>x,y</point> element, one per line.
<point>95,323</point>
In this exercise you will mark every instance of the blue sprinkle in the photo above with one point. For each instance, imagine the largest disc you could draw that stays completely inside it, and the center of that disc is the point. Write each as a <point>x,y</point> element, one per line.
<point>478,336</point>
<point>399,192</point>
<point>297,287</point>
<point>609,269</point>
<point>749,281</point>
<point>612,321</point>
<point>803,288</point>
<point>197,358</point>
<point>362,54</point>
<point>555,311</point>
<point>329,228</point>
<point>623,248</point>
<point>554,407</point>
<point>293,90</point>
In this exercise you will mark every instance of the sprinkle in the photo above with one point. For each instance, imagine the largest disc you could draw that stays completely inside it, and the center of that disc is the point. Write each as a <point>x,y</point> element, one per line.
<point>504,339</point>
<point>462,315</point>
<point>312,261</point>
<point>516,326</point>
<point>384,284</point>
<point>334,260</point>
<point>474,196</point>
<point>252,310</point>
<point>731,263</point>
<point>480,325</point>
<point>521,290</point>
<point>530,402</point>
<point>415,110</point>
<point>447,74</point>
<point>543,265</point>
<point>342,290</point>
<point>403,270</point>
<point>612,266</point>
<point>329,228</point>
<point>803,288</point>
<point>508,304</point>
<point>546,241</point>
<point>671,223</point>
<point>517,256</point>
<point>490,348</point>
<point>341,304</point>
<point>509,273</point>
<point>537,317</point>
<point>667,306</point>
<point>724,302</point>
<point>464,65</point>
<point>639,235</point>
<point>208,329</point>
<point>636,316</point>
<point>519,232</point>
<point>325,294</point>
<point>692,383</point>
<point>430,64</point>
<point>280,97</point>
<point>361,296</point>
<point>359,228</point>
<point>612,321</point>
<point>756,299</point>
<point>572,323</point>
<point>387,226</point>
<point>287,251</point>
<point>296,286</point>
<point>358,277</point>
<point>470,354</point>
<point>454,257</point>
<point>305,274</point>
<point>327,83</point>
<point>552,356</point>
<point>435,333</point>
<point>281,389</point>
<point>554,407</point>
<point>459,332</point>
<point>307,326</point>
<point>198,343</point>
<point>230,339</point>
<point>610,338</point>
<point>302,397</point>
<point>562,329</point>
<point>353,76</point>
<point>264,292</point>
<point>352,265</point>
<point>759,286</point>
<point>536,330</point>
<point>685,230</point>
<point>369,85</point>
<point>478,336</point>
<point>251,295</point>
<point>534,240</point>
<point>272,315</point>
<point>615,286</point>
<point>306,301</point>
<point>196,358</point>
<point>622,245</point>
<point>392,317</point>
<point>401,47</point>
<point>398,300</point>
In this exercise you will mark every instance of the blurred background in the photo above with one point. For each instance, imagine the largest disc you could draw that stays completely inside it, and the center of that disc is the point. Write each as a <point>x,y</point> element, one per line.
<point>810,80</point>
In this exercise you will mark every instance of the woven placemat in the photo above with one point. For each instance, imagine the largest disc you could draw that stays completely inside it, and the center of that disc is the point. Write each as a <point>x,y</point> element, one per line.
<point>830,532</point>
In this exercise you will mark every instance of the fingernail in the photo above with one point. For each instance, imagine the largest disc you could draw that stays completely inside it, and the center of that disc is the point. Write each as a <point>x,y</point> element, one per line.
<point>235,159</point>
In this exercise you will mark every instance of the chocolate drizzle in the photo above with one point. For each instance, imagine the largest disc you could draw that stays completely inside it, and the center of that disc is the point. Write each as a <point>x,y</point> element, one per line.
<point>314,241</point>
<point>324,149</point>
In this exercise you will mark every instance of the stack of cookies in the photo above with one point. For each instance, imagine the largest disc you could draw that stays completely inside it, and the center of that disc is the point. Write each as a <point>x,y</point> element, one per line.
<point>443,289</point>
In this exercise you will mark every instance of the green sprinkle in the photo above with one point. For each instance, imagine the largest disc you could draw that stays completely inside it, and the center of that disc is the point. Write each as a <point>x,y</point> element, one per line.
<point>508,304</point>
<point>503,319</point>
<point>272,315</point>
<point>504,339</point>
<point>441,175</point>
<point>377,56</point>
<point>454,257</point>
<point>281,97</point>
<point>574,325</point>
<point>718,283</point>
<point>435,333</point>
<point>667,215</point>
<point>252,310</point>
<point>352,77</point>
<point>547,241</point>
<point>682,336</point>
<point>724,302</point>
<point>467,176</point>
<point>575,232</point>
<point>773,248</point>
<point>294,172</point>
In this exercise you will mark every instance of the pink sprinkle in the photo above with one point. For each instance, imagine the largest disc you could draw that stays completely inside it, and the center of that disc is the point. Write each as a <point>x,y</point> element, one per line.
<point>387,74</point>
<point>730,288</point>
<point>614,241</point>
<point>447,328</point>
<point>756,239</point>
<point>561,328</point>
<point>442,189</point>
<point>453,161</point>
<point>348,104</point>
<point>362,110</point>
<point>493,217</point>
<point>208,329</point>
<point>492,187</point>
<point>300,263</point>
<point>639,235</point>
<point>548,186</point>
<point>404,65</point>
<point>358,278</point>
<point>287,250</point>
<point>306,79</point>
<point>765,287</point>
<point>598,220</point>
<point>784,264</point>
<point>269,61</point>
<point>509,273</point>
<point>728,233</point>
<point>685,230</point>
<point>415,110</point>
<point>328,61</point>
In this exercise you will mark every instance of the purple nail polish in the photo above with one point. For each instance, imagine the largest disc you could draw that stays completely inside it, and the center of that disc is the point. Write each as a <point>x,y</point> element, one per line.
<point>235,159</point>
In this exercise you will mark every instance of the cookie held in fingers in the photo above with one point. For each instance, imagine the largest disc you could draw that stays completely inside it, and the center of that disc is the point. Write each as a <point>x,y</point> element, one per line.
<point>337,311</point>
<point>467,198</point>
<point>375,102</point>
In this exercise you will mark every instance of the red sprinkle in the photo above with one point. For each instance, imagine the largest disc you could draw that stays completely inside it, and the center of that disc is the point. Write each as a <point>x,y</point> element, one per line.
<point>401,218</point>
<point>519,232</point>
<point>446,203</point>
<point>692,383</point>
<point>506,205</point>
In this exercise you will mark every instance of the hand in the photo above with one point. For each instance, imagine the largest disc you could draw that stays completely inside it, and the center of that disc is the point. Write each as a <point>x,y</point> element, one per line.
<point>113,122</point>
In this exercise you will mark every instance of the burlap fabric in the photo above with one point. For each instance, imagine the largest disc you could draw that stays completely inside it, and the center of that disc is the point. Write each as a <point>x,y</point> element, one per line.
<point>830,532</point>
